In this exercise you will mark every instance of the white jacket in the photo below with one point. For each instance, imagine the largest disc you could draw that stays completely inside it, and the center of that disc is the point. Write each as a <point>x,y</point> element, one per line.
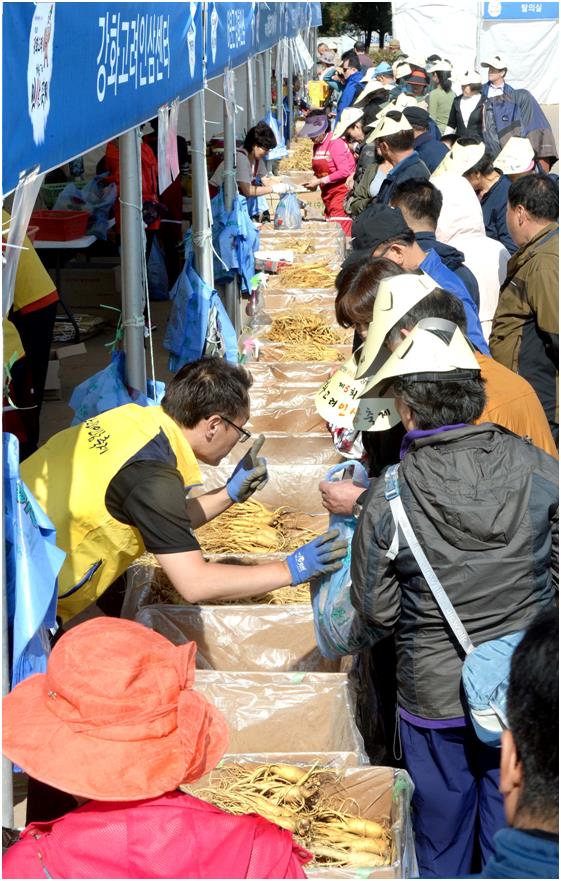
<point>461,224</point>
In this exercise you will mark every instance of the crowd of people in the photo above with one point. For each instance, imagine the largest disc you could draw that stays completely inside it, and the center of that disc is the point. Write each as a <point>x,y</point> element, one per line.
<point>451,288</point>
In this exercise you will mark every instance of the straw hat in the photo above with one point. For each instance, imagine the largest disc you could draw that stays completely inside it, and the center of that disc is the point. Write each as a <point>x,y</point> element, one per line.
<point>389,126</point>
<point>435,350</point>
<point>115,717</point>
<point>349,116</point>
<point>460,159</point>
<point>516,157</point>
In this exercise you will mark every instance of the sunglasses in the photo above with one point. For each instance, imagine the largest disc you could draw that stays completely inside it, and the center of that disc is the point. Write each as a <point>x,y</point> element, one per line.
<point>244,435</point>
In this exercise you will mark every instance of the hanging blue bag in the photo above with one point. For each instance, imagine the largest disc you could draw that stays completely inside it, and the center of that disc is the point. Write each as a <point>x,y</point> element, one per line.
<point>107,389</point>
<point>280,151</point>
<point>158,284</point>
<point>32,565</point>
<point>288,214</point>
<point>339,628</point>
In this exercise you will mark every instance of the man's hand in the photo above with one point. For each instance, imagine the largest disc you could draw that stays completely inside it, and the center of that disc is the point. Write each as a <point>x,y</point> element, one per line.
<point>249,475</point>
<point>318,557</point>
<point>339,496</point>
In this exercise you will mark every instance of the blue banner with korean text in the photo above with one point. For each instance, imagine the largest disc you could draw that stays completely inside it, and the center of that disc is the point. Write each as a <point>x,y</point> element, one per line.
<point>78,74</point>
<point>495,11</point>
<point>230,36</point>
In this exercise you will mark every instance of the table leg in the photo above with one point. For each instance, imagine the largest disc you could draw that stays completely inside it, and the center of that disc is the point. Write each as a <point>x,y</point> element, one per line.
<point>65,308</point>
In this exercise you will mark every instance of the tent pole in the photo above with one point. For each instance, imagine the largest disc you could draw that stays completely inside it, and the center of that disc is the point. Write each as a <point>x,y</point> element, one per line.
<point>201,229</point>
<point>7,781</point>
<point>290,93</point>
<point>230,189</point>
<point>251,108</point>
<point>278,75</point>
<point>260,86</point>
<point>132,246</point>
<point>267,56</point>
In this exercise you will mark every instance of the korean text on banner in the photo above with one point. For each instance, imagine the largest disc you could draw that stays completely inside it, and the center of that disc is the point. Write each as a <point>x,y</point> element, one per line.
<point>131,59</point>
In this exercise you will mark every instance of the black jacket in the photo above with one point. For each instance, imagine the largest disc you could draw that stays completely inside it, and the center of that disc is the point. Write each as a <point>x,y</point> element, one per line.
<point>474,127</point>
<point>484,506</point>
<point>453,259</point>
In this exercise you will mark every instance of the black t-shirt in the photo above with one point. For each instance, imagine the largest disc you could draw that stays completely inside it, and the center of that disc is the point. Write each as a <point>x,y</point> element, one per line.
<point>148,493</point>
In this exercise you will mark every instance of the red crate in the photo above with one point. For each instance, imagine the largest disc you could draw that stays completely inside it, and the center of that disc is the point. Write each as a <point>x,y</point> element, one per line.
<point>60,226</point>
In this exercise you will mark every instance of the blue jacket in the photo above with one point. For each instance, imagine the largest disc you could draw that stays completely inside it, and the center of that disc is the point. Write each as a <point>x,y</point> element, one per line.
<point>433,266</point>
<point>521,853</point>
<point>431,151</point>
<point>493,205</point>
<point>353,87</point>
<point>411,166</point>
<point>453,259</point>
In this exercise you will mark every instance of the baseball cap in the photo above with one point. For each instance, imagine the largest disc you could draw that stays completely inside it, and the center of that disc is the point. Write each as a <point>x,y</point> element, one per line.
<point>390,124</point>
<point>441,64</point>
<point>349,116</point>
<point>418,76</point>
<point>417,116</point>
<point>516,157</point>
<point>494,61</point>
<point>377,224</point>
<point>314,126</point>
<point>383,67</point>
<point>467,77</point>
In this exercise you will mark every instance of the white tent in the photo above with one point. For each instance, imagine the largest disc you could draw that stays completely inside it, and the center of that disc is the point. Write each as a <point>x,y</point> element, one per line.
<point>459,31</point>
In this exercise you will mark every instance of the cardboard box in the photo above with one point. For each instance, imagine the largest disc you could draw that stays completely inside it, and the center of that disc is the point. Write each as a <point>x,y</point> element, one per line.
<point>53,379</point>
<point>85,289</point>
<point>381,794</point>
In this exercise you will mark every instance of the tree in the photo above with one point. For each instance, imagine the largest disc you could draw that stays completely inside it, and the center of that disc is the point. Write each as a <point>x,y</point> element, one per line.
<point>366,17</point>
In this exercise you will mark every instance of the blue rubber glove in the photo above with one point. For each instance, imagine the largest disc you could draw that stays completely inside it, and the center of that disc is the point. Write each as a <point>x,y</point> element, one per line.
<point>249,475</point>
<point>318,557</point>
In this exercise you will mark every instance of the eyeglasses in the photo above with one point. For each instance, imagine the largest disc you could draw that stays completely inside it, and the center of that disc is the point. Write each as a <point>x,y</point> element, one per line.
<point>244,435</point>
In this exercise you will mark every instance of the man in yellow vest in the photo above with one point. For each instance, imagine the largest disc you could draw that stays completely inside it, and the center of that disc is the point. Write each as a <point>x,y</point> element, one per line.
<point>115,486</point>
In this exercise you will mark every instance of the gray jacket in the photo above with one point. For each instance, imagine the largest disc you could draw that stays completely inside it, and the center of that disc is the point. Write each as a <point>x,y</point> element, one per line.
<point>484,506</point>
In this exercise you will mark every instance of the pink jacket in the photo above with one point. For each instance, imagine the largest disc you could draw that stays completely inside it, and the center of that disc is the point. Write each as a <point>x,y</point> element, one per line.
<point>340,158</point>
<point>173,836</point>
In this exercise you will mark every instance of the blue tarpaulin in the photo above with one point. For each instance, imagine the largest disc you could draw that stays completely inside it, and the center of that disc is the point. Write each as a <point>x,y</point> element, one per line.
<point>78,74</point>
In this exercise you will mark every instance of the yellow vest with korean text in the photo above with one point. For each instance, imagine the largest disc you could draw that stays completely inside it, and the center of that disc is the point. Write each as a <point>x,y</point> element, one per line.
<point>69,476</point>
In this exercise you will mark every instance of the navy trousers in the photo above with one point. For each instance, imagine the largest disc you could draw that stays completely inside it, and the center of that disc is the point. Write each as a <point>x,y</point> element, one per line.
<point>457,806</point>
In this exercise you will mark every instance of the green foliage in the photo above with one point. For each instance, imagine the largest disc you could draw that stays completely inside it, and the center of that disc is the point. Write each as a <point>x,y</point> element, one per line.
<point>363,17</point>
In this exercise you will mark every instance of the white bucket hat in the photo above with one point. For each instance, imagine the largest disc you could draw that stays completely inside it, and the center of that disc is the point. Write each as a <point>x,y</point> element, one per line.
<point>442,64</point>
<point>516,157</point>
<point>460,159</point>
<point>435,349</point>
<point>349,116</point>
<point>401,69</point>
<point>372,87</point>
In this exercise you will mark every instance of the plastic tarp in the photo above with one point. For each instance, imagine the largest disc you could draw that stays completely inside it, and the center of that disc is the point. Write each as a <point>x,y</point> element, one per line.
<point>456,30</point>
<point>32,566</point>
<point>280,712</point>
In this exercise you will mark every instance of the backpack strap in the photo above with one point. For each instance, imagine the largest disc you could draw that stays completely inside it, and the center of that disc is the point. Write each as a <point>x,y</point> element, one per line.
<point>402,522</point>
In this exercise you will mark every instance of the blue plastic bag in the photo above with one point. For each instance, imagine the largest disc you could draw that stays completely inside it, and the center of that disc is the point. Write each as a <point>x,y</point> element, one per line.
<point>97,197</point>
<point>107,389</point>
<point>288,214</point>
<point>188,324</point>
<point>158,284</point>
<point>280,151</point>
<point>338,627</point>
<point>32,565</point>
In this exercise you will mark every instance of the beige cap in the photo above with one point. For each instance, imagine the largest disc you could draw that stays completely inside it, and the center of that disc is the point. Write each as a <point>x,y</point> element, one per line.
<point>416,61</point>
<point>442,64</point>
<point>460,159</point>
<point>388,126</point>
<point>434,346</point>
<point>338,402</point>
<point>493,61</point>
<point>349,116</point>
<point>372,87</point>
<point>516,157</point>
<point>401,69</point>
<point>466,77</point>
<point>401,102</point>
<point>395,297</point>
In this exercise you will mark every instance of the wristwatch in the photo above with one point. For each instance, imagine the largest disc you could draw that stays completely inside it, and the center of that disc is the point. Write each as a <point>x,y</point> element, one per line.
<point>357,507</point>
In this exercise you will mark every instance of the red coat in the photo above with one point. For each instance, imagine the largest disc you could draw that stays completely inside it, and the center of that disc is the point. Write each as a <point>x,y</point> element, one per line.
<point>149,169</point>
<point>173,836</point>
